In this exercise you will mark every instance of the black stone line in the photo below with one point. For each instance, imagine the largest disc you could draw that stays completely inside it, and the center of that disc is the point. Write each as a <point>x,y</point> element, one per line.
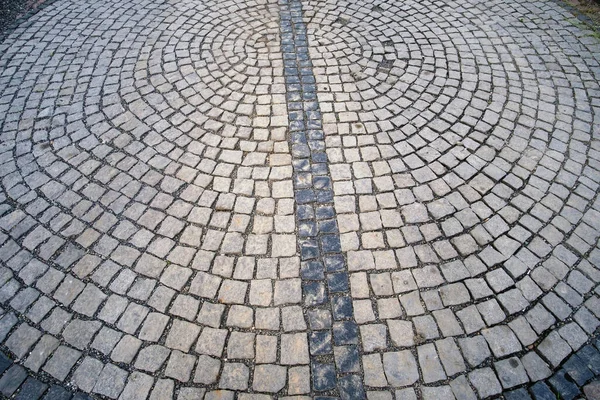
<point>333,333</point>
<point>23,384</point>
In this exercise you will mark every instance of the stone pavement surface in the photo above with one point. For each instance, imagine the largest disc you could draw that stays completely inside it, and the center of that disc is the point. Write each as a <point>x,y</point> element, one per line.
<point>300,199</point>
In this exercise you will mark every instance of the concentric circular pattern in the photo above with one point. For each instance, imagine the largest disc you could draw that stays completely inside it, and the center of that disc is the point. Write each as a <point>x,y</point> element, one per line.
<point>147,207</point>
<point>227,70</point>
<point>147,217</point>
<point>465,178</point>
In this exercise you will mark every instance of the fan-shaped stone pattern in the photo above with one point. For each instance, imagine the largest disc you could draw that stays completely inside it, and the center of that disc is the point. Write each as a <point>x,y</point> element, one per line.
<point>226,66</point>
<point>457,161</point>
<point>149,244</point>
<point>147,214</point>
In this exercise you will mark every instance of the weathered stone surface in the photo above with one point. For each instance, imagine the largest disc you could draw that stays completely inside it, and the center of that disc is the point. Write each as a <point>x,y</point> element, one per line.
<point>248,199</point>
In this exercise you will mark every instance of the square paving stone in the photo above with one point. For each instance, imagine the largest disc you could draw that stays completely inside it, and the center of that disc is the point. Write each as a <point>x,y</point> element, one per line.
<point>447,323</point>
<point>341,307</point>
<point>320,343</point>
<point>475,349</point>
<point>288,291</point>
<point>351,387</point>
<point>111,381</point>
<point>346,358</point>
<point>153,327</point>
<point>374,337</point>
<point>319,319</point>
<point>185,307</point>
<point>565,388</point>
<point>373,370</point>
<point>22,339</point>
<point>511,372</point>
<point>267,318</point>
<point>293,319</point>
<point>40,352</point>
<point>5,363</point>
<point>400,368</point>
<point>438,392</point>
<point>425,328</point>
<point>345,332</point>
<point>132,318</point>
<point>461,388</point>
<point>240,316</point>
<point>180,366</point>
<point>298,380</point>
<point>211,314</point>
<point>106,340</point>
<point>233,292</point>
<point>269,378</point>
<point>152,358</point>
<point>541,391</point>
<point>162,390</point>
<point>294,349</point>
<point>554,348</point>
<point>323,376</point>
<point>519,394</point>
<point>32,389</point>
<point>234,376</point>
<point>61,362</point>
<point>182,335</point>
<point>591,356</point>
<point>577,370</point>
<point>211,341</point>
<point>87,373</point>
<point>79,333</point>
<point>12,379</point>
<point>450,356</point>
<point>536,368</point>
<point>240,345</point>
<point>485,382</point>
<point>502,340</point>
<point>54,323</point>
<point>207,370</point>
<point>89,300</point>
<point>401,333</point>
<point>126,349</point>
<point>57,393</point>
<point>138,386</point>
<point>112,309</point>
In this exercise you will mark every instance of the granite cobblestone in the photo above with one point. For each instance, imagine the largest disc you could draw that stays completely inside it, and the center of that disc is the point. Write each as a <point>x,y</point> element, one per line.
<point>299,199</point>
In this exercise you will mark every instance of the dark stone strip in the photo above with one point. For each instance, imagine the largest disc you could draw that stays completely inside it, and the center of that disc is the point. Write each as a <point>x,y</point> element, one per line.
<point>333,333</point>
<point>23,384</point>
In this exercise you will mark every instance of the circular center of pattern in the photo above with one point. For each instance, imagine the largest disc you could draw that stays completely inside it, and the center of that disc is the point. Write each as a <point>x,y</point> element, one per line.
<point>151,209</point>
<point>361,55</point>
<point>223,74</point>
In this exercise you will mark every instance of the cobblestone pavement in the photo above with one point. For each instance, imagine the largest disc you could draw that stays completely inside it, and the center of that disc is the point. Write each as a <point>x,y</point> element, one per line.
<point>300,199</point>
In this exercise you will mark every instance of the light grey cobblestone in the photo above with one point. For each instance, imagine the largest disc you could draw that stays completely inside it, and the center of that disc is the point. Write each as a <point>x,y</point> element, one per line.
<point>283,198</point>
